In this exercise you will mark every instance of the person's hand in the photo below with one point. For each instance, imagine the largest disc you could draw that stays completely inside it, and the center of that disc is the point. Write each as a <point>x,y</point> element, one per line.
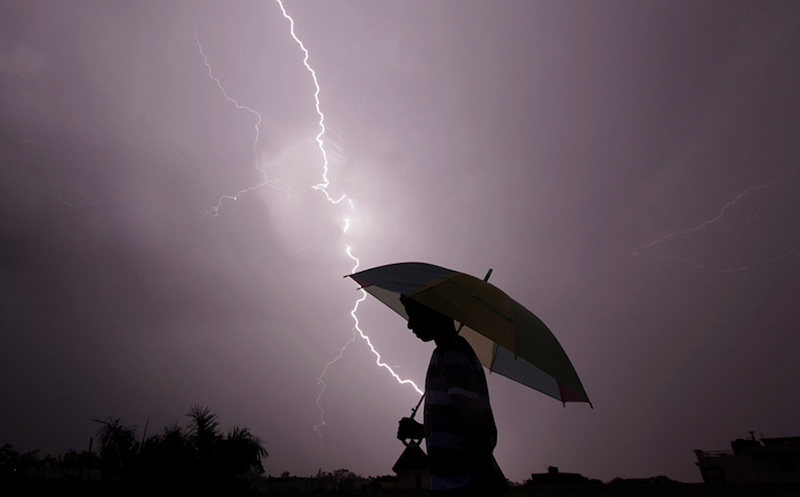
<point>410,429</point>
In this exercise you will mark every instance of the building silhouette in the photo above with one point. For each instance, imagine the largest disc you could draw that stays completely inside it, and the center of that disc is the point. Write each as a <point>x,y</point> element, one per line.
<point>556,477</point>
<point>768,460</point>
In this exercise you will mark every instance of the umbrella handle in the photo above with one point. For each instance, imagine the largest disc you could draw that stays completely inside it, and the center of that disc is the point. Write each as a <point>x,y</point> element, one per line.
<point>414,442</point>
<point>415,409</point>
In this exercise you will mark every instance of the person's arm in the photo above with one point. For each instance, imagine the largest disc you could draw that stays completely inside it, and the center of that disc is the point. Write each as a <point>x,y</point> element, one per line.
<point>479,436</point>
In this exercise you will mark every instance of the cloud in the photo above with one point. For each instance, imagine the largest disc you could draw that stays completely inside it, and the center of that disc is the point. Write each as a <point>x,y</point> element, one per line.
<point>24,61</point>
<point>23,74</point>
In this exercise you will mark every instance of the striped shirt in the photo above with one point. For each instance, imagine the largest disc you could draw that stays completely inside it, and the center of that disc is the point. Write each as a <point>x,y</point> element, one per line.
<point>454,370</point>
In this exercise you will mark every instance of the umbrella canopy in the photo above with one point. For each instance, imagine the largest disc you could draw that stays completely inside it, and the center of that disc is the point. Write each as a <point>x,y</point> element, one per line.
<point>507,338</point>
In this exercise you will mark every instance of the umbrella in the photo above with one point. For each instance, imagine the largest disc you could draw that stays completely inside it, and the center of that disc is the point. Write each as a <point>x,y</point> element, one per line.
<point>507,338</point>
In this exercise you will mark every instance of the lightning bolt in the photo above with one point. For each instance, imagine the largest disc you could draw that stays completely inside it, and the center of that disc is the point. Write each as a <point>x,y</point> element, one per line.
<point>324,184</point>
<point>318,426</point>
<point>712,221</point>
<point>715,218</point>
<point>277,184</point>
<point>356,329</point>
<point>366,338</point>
<point>323,188</point>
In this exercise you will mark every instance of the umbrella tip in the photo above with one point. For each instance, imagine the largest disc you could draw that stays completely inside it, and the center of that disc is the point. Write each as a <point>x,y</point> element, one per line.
<point>486,278</point>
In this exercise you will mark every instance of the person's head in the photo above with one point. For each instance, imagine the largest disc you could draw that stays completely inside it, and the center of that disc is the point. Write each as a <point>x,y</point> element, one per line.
<point>426,323</point>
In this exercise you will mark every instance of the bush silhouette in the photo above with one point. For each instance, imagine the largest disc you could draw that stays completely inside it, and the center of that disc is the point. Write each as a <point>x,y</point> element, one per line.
<point>199,458</point>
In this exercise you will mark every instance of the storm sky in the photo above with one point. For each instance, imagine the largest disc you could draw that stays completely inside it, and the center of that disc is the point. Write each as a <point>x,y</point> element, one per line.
<point>628,170</point>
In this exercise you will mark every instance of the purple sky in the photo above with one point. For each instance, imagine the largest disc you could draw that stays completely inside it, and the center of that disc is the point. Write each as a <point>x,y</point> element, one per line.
<point>586,151</point>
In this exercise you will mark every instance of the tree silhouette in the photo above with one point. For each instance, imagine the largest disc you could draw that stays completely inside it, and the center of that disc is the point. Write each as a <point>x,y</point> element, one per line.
<point>241,451</point>
<point>199,457</point>
<point>118,446</point>
<point>167,453</point>
<point>204,435</point>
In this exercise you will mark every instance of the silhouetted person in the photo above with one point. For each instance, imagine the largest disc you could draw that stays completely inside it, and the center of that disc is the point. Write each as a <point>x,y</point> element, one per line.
<point>459,428</point>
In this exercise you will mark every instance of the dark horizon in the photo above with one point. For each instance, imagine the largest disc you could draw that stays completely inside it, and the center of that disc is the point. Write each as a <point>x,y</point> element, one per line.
<point>628,170</point>
<point>143,439</point>
<point>174,455</point>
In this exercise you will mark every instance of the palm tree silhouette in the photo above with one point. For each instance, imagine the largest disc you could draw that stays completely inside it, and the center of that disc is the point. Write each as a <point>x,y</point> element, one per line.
<point>204,435</point>
<point>118,446</point>
<point>242,451</point>
<point>199,457</point>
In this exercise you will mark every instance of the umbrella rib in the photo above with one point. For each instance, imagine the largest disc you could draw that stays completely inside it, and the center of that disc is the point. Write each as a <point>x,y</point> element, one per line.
<point>487,304</point>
